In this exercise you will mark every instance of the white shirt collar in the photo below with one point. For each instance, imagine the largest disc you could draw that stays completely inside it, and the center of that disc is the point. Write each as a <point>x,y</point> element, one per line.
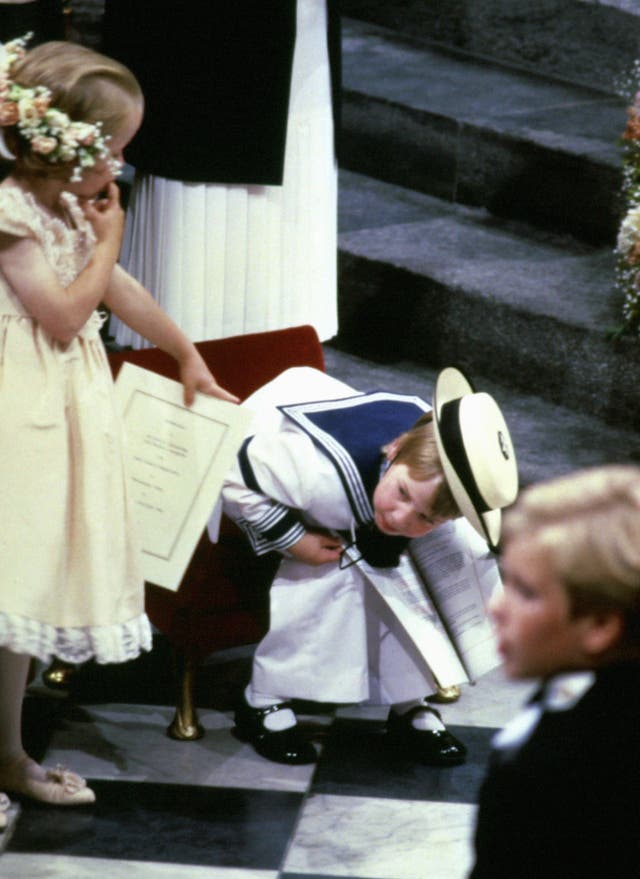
<point>560,693</point>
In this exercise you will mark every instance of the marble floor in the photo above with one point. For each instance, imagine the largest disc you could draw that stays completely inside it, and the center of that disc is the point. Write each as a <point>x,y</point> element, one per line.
<point>212,808</point>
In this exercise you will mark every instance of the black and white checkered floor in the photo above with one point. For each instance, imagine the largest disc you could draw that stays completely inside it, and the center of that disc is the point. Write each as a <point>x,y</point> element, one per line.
<point>212,808</point>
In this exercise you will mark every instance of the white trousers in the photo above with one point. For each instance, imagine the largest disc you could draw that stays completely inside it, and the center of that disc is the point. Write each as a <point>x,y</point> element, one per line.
<point>333,639</point>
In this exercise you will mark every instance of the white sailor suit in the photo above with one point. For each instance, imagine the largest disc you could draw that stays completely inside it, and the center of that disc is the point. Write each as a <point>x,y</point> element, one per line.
<point>332,638</point>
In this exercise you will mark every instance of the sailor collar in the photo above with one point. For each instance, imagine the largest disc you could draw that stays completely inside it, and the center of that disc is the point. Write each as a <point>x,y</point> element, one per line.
<point>351,431</point>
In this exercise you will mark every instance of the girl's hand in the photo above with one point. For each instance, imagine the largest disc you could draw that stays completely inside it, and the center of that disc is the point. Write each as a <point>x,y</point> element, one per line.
<point>106,216</point>
<point>195,376</point>
<point>316,548</point>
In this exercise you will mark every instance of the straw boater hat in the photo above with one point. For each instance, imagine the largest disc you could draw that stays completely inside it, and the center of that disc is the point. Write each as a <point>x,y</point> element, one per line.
<point>476,452</point>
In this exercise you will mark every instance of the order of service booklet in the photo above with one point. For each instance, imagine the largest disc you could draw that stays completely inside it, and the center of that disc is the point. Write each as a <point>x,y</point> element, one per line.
<point>176,460</point>
<point>440,593</point>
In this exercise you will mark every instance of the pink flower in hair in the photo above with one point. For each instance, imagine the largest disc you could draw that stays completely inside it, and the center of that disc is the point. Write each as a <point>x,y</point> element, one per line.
<point>43,145</point>
<point>41,103</point>
<point>9,113</point>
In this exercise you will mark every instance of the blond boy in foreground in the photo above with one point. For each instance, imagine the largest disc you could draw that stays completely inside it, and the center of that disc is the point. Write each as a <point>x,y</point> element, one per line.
<point>562,793</point>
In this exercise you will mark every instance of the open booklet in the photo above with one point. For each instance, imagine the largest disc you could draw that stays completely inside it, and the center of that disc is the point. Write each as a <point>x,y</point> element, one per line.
<point>177,457</point>
<point>440,593</point>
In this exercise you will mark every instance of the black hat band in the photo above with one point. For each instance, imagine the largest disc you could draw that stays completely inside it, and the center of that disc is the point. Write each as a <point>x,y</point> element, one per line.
<point>451,436</point>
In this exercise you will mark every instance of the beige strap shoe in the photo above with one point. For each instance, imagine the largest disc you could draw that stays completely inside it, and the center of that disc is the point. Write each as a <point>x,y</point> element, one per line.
<point>59,786</point>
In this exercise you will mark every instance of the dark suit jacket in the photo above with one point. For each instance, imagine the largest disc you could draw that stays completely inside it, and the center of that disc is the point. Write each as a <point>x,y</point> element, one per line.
<point>566,805</point>
<point>216,77</point>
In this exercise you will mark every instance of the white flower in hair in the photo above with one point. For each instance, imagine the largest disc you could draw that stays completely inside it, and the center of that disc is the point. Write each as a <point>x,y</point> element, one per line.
<point>43,145</point>
<point>56,120</point>
<point>51,134</point>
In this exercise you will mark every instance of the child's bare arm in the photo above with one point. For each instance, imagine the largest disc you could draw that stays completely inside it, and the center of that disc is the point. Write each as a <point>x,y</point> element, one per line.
<point>135,306</point>
<point>61,311</point>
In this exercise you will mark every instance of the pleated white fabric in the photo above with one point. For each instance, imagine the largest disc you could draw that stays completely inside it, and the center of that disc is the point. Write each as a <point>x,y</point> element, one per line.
<point>229,259</point>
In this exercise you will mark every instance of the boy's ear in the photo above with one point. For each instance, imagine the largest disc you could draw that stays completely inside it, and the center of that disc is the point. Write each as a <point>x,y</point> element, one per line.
<point>391,449</point>
<point>603,630</point>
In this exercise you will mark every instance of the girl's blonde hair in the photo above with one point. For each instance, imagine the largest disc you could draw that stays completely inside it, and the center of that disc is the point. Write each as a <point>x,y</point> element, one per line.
<point>86,85</point>
<point>417,449</point>
<point>588,526</point>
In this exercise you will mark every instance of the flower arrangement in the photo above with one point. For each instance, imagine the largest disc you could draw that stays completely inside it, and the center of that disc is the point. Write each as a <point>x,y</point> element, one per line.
<point>50,132</point>
<point>628,242</point>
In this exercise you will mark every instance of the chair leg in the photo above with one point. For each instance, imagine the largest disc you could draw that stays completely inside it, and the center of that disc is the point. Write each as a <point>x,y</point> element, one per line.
<point>185,725</point>
<point>59,674</point>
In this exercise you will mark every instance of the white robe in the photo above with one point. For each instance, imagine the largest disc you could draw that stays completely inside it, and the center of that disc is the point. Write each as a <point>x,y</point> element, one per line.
<point>228,259</point>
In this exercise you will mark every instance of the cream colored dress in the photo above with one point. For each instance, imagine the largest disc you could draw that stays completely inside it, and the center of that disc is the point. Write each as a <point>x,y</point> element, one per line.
<point>70,582</point>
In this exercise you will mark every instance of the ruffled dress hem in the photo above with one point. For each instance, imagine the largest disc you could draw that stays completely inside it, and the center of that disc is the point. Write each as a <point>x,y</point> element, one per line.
<point>104,644</point>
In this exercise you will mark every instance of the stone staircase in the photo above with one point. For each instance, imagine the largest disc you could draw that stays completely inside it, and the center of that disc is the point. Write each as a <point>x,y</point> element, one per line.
<point>593,42</point>
<point>479,204</point>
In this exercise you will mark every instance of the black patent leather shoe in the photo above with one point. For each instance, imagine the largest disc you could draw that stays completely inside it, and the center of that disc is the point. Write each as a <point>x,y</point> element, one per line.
<point>281,746</point>
<point>433,747</point>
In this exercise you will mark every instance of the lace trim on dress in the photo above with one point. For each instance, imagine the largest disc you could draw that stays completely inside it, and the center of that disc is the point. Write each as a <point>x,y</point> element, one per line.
<point>67,241</point>
<point>104,644</point>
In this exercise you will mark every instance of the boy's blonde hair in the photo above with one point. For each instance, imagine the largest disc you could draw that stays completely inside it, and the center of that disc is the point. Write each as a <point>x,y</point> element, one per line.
<point>417,449</point>
<point>86,85</point>
<point>588,526</point>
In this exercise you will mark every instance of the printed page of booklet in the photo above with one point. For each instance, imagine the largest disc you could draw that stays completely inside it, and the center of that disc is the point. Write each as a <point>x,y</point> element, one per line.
<point>461,575</point>
<point>440,593</point>
<point>176,457</point>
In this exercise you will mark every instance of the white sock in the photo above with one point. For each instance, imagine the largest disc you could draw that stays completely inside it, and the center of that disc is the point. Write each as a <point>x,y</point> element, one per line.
<point>279,720</point>
<point>425,719</point>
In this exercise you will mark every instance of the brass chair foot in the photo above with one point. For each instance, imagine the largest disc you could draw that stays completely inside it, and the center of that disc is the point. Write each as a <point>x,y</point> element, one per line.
<point>185,725</point>
<point>59,674</point>
<point>185,729</point>
<point>445,695</point>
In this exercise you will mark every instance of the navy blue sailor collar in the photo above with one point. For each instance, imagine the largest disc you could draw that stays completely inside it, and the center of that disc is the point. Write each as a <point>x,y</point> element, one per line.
<point>351,431</point>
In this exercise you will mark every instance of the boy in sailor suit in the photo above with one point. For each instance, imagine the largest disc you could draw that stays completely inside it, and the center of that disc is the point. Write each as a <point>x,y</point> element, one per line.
<point>343,478</point>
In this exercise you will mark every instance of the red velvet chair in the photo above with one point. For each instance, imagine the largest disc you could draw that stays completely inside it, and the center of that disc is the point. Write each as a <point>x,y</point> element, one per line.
<point>223,598</point>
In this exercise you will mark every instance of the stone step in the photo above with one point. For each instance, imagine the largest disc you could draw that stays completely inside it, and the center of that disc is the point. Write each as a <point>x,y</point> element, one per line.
<point>594,42</point>
<point>465,129</point>
<point>434,282</point>
<point>550,440</point>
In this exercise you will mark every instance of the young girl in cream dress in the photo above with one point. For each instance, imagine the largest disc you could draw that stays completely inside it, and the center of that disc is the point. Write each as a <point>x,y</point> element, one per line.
<point>71,585</point>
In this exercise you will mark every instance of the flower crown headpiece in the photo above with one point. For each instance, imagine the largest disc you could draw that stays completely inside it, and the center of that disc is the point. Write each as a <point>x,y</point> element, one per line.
<point>51,134</point>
